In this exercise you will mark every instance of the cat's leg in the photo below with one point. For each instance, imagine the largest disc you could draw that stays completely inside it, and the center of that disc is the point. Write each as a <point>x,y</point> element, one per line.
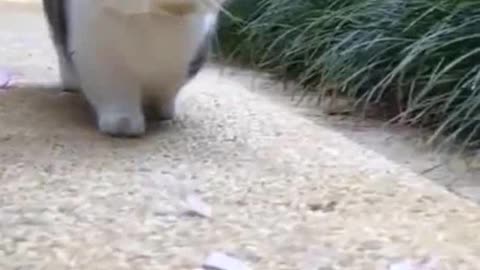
<point>111,89</point>
<point>106,81</point>
<point>159,101</point>
<point>160,98</point>
<point>114,94</point>
<point>57,19</point>
<point>68,76</point>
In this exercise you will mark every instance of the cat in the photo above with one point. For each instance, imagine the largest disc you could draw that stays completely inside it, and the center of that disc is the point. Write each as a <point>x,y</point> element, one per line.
<point>130,58</point>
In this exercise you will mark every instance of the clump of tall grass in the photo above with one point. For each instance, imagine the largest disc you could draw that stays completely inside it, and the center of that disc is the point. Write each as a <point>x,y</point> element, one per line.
<point>422,57</point>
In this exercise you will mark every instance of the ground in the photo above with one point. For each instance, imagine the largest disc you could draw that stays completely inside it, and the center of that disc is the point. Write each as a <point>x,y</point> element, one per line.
<point>287,190</point>
<point>458,172</point>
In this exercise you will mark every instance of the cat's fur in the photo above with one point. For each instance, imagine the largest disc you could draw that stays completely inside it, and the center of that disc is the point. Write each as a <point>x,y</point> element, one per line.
<point>128,67</point>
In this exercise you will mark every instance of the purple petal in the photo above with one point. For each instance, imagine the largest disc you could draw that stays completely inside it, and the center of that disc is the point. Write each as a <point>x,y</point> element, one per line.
<point>221,261</point>
<point>425,264</point>
<point>197,206</point>
<point>5,79</point>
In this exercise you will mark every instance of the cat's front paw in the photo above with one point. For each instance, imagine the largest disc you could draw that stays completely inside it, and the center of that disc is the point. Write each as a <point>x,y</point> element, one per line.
<point>122,125</point>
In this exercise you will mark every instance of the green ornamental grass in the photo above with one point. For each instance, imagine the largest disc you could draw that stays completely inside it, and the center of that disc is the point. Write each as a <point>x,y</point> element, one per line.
<point>422,57</point>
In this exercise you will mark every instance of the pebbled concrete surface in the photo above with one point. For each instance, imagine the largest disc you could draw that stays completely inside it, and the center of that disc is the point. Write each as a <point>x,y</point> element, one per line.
<point>286,193</point>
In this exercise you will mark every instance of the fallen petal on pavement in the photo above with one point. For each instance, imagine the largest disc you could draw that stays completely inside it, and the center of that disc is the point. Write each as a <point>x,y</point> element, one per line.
<point>221,261</point>
<point>197,206</point>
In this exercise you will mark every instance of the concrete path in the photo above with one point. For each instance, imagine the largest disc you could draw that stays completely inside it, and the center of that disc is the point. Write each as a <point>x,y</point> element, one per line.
<point>286,193</point>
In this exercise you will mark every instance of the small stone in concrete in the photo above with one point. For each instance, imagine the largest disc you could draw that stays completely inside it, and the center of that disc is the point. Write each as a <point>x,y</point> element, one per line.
<point>324,207</point>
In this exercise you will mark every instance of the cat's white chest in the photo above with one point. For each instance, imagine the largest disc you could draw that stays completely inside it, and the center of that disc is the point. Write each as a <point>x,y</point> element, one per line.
<point>148,42</point>
<point>159,7</point>
<point>128,6</point>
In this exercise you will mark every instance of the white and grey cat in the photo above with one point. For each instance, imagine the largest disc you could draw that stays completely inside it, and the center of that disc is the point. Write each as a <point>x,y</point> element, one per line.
<point>130,66</point>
